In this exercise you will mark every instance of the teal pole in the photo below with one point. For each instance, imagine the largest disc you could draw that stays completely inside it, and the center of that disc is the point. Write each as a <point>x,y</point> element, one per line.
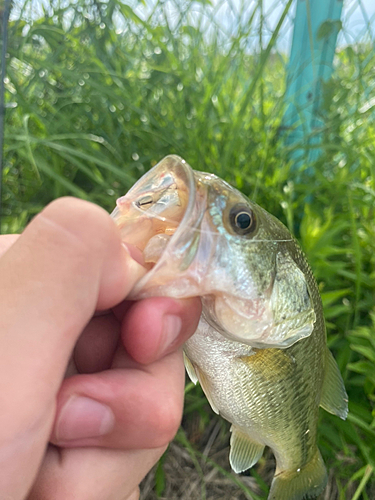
<point>316,26</point>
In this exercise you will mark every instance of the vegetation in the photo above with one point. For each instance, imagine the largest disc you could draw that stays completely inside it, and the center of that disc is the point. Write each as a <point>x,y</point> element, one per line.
<point>96,93</point>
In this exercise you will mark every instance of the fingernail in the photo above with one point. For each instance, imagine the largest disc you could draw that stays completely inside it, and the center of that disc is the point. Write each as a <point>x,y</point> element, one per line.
<point>171,330</point>
<point>83,417</point>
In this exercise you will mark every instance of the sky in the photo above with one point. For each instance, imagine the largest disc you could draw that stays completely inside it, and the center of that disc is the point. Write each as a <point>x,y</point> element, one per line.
<point>358,16</point>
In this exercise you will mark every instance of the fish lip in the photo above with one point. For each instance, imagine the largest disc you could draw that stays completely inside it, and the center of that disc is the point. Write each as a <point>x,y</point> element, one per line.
<point>191,187</point>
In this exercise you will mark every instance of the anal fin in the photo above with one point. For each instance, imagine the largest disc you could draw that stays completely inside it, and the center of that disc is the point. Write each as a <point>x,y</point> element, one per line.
<point>334,398</point>
<point>244,451</point>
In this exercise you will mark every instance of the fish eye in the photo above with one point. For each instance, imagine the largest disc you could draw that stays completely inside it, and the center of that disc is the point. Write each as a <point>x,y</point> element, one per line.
<point>242,219</point>
<point>145,201</point>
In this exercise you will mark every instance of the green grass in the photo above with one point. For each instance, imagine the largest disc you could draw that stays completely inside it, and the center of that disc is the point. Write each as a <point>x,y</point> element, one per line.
<point>90,109</point>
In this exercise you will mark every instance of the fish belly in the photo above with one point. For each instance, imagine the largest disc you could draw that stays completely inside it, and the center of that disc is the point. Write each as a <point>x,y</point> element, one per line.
<point>270,395</point>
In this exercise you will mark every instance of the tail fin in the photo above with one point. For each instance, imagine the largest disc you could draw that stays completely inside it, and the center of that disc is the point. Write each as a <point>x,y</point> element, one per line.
<point>307,482</point>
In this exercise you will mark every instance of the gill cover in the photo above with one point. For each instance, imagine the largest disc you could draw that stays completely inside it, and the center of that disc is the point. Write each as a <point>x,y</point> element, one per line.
<point>292,307</point>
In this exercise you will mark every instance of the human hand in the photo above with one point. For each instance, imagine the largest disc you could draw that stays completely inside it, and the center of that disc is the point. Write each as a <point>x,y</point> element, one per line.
<point>120,402</point>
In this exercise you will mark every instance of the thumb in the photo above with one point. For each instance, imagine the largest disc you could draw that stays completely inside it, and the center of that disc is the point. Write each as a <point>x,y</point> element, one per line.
<point>68,262</point>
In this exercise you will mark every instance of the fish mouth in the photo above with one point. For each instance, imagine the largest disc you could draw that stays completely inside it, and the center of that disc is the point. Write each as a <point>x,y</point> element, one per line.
<point>161,217</point>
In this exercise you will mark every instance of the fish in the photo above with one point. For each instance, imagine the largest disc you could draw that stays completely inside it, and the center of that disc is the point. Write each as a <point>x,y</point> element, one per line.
<point>260,351</point>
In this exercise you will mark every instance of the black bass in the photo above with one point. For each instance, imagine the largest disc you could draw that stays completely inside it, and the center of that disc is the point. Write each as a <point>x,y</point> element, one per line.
<point>260,350</point>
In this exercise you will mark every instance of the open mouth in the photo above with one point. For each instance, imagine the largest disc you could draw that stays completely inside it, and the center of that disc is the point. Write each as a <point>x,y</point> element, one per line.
<point>161,213</point>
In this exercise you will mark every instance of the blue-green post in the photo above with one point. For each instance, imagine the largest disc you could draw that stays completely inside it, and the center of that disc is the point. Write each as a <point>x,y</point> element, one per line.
<point>316,26</point>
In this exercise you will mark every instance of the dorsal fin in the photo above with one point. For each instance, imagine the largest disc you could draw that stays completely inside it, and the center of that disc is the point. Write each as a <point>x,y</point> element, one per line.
<point>244,451</point>
<point>334,398</point>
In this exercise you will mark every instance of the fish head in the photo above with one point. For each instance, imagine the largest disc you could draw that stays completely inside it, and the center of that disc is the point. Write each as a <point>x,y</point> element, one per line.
<point>201,237</point>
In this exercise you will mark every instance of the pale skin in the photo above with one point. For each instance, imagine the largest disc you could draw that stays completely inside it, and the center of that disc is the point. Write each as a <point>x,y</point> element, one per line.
<point>91,386</point>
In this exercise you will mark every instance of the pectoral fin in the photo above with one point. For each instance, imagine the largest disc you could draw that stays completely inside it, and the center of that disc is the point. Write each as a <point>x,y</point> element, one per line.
<point>244,452</point>
<point>334,398</point>
<point>190,370</point>
<point>196,375</point>
<point>206,386</point>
